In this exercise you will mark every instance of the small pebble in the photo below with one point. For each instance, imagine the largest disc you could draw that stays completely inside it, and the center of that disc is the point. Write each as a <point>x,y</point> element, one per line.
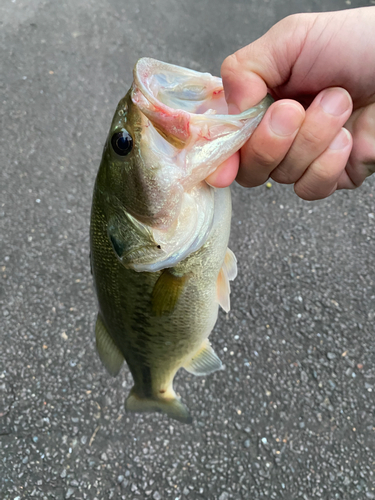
<point>69,493</point>
<point>224,496</point>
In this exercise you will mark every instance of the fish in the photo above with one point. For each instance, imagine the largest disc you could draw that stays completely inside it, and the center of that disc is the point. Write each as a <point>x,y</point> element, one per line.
<point>159,233</point>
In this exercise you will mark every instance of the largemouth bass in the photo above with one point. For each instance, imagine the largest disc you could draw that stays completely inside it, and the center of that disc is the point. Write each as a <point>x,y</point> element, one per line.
<point>159,232</point>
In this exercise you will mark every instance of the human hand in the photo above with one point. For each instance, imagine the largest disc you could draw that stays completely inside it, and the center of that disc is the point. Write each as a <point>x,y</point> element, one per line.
<point>323,61</point>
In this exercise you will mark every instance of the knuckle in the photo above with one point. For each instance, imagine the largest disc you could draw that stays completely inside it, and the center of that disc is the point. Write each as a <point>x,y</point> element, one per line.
<point>262,157</point>
<point>307,192</point>
<point>244,182</point>
<point>318,181</point>
<point>304,194</point>
<point>247,180</point>
<point>284,176</point>
<point>320,173</point>
<point>309,195</point>
<point>229,66</point>
<point>311,137</point>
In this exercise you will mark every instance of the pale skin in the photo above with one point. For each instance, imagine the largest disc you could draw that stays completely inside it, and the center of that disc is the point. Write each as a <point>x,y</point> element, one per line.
<point>320,133</point>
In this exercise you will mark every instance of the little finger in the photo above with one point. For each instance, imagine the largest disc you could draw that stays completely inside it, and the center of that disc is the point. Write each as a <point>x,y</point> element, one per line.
<point>321,178</point>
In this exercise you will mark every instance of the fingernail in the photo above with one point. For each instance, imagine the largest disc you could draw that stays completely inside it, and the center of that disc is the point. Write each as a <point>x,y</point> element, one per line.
<point>335,101</point>
<point>233,109</point>
<point>341,140</point>
<point>283,122</point>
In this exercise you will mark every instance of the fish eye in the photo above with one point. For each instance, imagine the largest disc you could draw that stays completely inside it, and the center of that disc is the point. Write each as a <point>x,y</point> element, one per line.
<point>122,142</point>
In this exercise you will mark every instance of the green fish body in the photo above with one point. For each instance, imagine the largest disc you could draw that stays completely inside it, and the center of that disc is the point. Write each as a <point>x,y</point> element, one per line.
<point>159,233</point>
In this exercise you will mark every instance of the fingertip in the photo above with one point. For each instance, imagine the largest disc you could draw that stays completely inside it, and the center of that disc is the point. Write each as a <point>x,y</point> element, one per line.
<point>335,101</point>
<point>225,173</point>
<point>342,140</point>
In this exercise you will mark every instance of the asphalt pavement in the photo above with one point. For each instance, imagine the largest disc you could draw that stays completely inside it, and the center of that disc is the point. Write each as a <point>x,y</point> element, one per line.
<point>292,415</point>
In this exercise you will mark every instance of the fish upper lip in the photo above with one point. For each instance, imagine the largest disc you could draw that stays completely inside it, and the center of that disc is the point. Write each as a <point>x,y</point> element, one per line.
<point>141,83</point>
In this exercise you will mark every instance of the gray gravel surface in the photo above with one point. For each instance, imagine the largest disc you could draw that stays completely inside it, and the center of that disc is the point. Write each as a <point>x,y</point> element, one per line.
<point>292,415</point>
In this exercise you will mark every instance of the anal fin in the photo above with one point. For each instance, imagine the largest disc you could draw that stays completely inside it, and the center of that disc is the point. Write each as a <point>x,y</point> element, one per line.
<point>109,354</point>
<point>204,361</point>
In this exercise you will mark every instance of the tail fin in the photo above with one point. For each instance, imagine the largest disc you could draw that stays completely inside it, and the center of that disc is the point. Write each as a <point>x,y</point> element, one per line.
<point>173,407</point>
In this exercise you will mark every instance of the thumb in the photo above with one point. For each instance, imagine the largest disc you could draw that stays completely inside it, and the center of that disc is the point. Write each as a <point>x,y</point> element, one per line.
<point>265,63</point>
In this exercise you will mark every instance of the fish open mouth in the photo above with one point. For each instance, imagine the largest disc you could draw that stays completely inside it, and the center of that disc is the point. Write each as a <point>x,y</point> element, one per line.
<point>182,103</point>
<point>189,110</point>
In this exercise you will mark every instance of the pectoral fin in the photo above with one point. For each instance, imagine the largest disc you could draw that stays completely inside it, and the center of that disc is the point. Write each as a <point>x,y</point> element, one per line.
<point>227,272</point>
<point>110,355</point>
<point>204,361</point>
<point>230,263</point>
<point>166,292</point>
